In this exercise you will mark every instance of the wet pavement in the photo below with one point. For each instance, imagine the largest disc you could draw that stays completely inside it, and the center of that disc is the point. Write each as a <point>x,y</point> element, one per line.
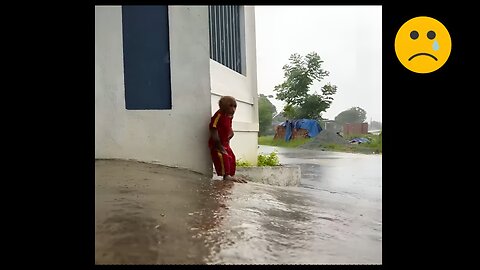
<point>150,214</point>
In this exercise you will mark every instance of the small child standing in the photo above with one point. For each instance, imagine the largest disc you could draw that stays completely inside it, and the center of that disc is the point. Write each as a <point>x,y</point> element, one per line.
<point>219,142</point>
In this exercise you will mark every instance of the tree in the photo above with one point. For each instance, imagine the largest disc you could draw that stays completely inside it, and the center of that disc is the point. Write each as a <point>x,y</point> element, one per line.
<point>266,111</point>
<point>299,75</point>
<point>279,118</point>
<point>352,115</point>
<point>375,125</point>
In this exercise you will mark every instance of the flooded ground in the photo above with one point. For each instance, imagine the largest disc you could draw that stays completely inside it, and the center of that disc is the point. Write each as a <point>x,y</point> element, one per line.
<point>150,214</point>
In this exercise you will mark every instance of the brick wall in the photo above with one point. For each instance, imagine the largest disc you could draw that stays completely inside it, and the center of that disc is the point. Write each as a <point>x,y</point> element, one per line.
<point>355,128</point>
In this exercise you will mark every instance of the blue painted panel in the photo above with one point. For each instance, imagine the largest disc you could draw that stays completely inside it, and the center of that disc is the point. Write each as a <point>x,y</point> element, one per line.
<point>146,58</point>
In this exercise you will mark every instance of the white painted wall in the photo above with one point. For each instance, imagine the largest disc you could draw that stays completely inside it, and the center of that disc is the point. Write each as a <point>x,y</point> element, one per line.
<point>176,137</point>
<point>225,81</point>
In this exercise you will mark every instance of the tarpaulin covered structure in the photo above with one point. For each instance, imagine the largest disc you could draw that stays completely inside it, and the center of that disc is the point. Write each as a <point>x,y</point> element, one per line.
<point>301,128</point>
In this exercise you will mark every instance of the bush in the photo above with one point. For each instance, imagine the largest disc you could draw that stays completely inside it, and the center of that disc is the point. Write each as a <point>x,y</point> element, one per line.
<point>262,160</point>
<point>268,160</point>
<point>241,163</point>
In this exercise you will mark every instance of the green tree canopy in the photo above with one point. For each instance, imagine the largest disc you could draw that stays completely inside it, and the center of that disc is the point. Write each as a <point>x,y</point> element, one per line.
<point>299,75</point>
<point>279,118</point>
<point>375,125</point>
<point>352,115</point>
<point>266,111</point>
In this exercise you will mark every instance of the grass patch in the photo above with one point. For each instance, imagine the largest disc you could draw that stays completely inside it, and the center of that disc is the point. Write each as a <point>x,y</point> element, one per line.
<point>373,146</point>
<point>268,140</point>
<point>350,148</point>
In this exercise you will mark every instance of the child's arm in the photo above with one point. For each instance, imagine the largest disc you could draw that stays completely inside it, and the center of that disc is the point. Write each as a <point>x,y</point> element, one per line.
<point>216,140</point>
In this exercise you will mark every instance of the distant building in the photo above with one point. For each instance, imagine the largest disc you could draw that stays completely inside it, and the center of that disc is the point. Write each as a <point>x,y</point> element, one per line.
<point>331,125</point>
<point>355,128</point>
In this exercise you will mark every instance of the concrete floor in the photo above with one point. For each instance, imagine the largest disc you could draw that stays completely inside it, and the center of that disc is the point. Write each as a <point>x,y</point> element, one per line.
<point>151,214</point>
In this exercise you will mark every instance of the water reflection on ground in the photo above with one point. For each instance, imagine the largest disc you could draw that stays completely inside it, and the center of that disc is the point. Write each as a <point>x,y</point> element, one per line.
<point>150,214</point>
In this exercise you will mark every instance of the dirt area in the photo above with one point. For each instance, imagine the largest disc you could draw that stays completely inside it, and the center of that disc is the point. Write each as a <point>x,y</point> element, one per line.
<point>325,137</point>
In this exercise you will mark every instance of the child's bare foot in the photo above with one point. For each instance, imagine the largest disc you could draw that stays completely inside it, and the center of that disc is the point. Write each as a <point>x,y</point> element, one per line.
<point>234,179</point>
<point>228,178</point>
<point>242,180</point>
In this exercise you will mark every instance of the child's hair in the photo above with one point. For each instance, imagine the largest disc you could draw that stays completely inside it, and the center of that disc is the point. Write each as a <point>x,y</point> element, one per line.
<point>224,99</point>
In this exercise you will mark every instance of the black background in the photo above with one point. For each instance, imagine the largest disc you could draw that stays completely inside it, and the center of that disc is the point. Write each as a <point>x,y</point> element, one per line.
<point>428,119</point>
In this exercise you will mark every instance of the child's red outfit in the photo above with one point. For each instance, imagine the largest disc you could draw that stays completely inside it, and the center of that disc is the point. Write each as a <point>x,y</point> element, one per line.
<point>224,163</point>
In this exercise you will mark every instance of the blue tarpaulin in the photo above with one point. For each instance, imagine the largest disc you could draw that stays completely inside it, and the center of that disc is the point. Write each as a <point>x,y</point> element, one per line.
<point>359,140</point>
<point>312,126</point>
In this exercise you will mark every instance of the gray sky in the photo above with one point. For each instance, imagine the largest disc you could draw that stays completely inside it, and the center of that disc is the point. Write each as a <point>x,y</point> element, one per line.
<point>348,40</point>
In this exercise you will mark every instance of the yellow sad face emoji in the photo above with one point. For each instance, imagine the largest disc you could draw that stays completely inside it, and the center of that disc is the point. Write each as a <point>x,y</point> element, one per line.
<point>423,44</point>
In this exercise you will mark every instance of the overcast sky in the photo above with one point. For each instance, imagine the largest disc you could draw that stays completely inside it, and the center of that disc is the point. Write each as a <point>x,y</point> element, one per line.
<point>347,38</point>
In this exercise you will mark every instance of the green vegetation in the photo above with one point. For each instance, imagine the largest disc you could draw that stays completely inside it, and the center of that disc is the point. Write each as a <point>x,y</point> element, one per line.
<point>373,146</point>
<point>262,160</point>
<point>266,111</point>
<point>353,148</point>
<point>268,160</point>
<point>242,163</point>
<point>352,115</point>
<point>375,125</point>
<point>300,75</point>
<point>268,140</point>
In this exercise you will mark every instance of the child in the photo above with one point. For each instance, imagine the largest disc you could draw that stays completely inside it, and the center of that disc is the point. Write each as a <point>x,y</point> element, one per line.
<point>219,142</point>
